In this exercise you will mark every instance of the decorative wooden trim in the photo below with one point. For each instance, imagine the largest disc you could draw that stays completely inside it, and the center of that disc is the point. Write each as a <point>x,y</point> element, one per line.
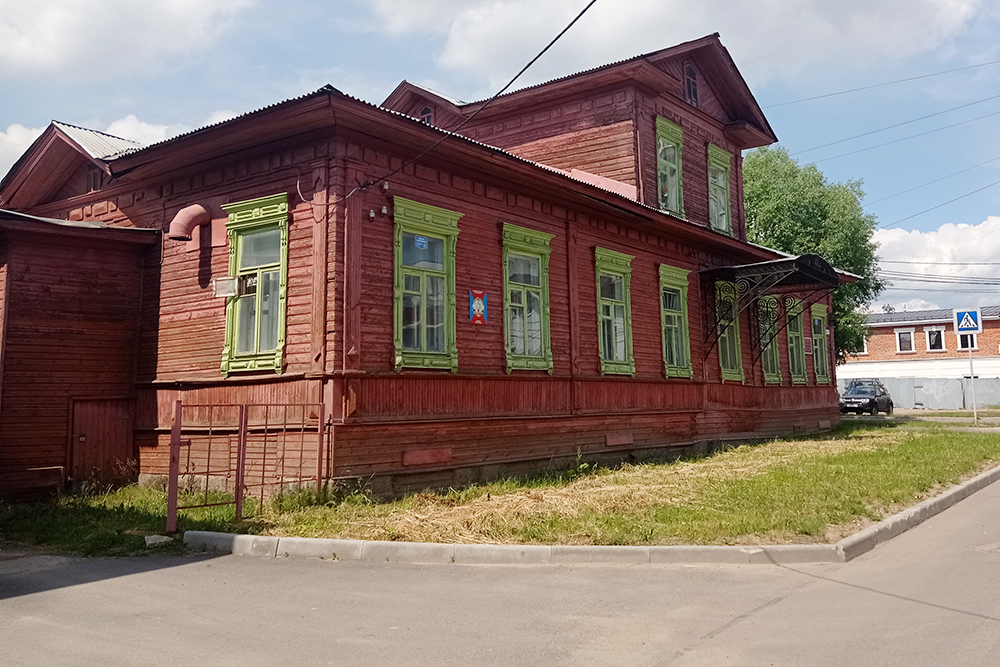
<point>725,293</point>
<point>670,132</point>
<point>674,278</point>
<point>620,264</point>
<point>524,241</point>
<point>820,342</point>
<point>721,159</point>
<point>414,216</point>
<point>796,340</point>
<point>251,216</point>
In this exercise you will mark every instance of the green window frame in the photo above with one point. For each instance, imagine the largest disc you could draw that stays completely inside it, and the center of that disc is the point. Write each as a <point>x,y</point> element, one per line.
<point>526,298</point>
<point>767,322</point>
<point>424,313</point>
<point>719,203</point>
<point>821,355</point>
<point>258,265</point>
<point>674,321</point>
<point>796,342</point>
<point>670,185</point>
<point>614,311</point>
<point>730,350</point>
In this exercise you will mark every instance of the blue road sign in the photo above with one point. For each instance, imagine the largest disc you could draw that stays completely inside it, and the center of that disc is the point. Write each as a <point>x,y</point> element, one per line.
<point>968,321</point>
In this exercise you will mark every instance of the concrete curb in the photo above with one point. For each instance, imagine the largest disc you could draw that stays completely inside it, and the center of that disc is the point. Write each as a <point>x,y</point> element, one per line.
<point>847,549</point>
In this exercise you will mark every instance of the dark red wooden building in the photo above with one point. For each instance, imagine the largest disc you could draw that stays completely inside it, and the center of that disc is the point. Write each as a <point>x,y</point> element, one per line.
<point>470,290</point>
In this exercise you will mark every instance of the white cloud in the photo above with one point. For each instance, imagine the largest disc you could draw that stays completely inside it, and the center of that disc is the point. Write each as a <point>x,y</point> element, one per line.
<point>14,142</point>
<point>934,252</point>
<point>495,38</point>
<point>101,39</point>
<point>18,138</point>
<point>145,133</point>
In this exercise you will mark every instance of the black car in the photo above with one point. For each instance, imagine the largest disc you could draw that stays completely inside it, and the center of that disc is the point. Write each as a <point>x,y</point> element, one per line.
<point>870,398</point>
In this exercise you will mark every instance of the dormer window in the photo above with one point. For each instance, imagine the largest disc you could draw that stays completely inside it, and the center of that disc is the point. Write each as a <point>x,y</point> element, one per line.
<point>93,179</point>
<point>427,115</point>
<point>691,85</point>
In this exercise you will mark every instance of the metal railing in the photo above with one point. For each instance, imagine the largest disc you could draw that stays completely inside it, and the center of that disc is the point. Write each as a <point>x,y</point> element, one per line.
<point>247,449</point>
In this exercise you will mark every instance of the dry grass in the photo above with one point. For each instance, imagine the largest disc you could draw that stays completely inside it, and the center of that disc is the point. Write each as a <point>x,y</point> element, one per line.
<point>498,514</point>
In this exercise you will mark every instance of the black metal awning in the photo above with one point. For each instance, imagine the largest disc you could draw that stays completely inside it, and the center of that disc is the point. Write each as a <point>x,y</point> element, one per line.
<point>740,287</point>
<point>787,271</point>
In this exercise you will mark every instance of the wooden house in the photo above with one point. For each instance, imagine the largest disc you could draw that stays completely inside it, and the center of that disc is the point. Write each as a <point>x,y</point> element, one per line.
<point>471,290</point>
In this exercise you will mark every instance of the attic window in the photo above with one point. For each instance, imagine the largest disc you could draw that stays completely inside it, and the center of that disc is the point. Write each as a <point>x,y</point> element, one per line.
<point>427,115</point>
<point>93,179</point>
<point>691,85</point>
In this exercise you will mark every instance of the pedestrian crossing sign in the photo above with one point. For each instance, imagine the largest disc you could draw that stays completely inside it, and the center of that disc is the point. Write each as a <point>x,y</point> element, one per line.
<point>968,321</point>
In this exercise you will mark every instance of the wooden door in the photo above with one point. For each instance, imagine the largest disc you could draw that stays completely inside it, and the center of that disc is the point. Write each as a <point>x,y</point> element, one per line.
<point>101,440</point>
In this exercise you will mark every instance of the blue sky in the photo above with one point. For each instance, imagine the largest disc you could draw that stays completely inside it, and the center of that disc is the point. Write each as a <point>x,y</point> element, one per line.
<point>148,70</point>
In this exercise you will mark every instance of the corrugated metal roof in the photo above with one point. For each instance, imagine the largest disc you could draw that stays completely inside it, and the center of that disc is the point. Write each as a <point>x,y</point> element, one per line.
<point>77,224</point>
<point>97,144</point>
<point>139,147</point>
<point>936,315</point>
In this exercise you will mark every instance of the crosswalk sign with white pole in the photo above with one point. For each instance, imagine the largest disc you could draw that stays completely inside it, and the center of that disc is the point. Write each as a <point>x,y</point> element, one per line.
<point>968,321</point>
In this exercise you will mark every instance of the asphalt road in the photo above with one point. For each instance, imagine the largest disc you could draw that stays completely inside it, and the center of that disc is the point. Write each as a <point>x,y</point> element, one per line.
<point>929,597</point>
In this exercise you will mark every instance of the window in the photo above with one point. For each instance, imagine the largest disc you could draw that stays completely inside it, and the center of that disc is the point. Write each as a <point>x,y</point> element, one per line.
<point>796,342</point>
<point>258,260</point>
<point>526,303</point>
<point>614,312</point>
<point>424,319</point>
<point>904,340</point>
<point>673,313</point>
<point>669,141</point>
<point>427,115</point>
<point>935,338</point>
<point>967,342</point>
<point>718,189</point>
<point>93,179</point>
<point>730,354</point>
<point>767,323</point>
<point>821,354</point>
<point>691,85</point>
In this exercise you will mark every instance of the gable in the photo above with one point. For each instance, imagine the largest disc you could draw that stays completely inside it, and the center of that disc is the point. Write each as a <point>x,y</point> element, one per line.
<point>65,161</point>
<point>707,99</point>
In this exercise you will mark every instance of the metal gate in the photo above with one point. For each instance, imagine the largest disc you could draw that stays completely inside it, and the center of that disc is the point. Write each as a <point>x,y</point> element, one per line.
<point>247,449</point>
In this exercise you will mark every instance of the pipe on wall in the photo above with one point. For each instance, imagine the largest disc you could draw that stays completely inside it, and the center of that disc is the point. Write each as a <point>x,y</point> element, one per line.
<point>186,220</point>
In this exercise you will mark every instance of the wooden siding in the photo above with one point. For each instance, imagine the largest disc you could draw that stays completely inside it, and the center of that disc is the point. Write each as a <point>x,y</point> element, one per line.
<point>608,150</point>
<point>708,101</point>
<point>70,332</point>
<point>339,333</point>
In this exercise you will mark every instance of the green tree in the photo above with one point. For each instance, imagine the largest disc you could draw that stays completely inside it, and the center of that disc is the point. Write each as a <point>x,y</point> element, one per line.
<point>796,210</point>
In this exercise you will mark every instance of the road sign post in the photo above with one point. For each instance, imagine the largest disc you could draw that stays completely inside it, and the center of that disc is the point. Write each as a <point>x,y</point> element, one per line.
<point>969,323</point>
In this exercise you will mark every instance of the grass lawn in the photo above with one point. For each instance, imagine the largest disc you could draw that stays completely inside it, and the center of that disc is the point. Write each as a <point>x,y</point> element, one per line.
<point>815,489</point>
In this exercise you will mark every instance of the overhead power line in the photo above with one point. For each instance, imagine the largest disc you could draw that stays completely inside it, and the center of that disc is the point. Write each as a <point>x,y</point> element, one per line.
<point>891,127</point>
<point>500,92</point>
<point>936,180</point>
<point>912,136</point>
<point>934,208</point>
<point>879,85</point>
<point>909,261</point>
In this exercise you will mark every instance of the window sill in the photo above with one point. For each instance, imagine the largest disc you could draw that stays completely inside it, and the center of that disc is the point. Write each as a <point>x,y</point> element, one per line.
<point>617,368</point>
<point>935,351</point>
<point>525,363</point>
<point>427,361</point>
<point>906,351</point>
<point>685,373</point>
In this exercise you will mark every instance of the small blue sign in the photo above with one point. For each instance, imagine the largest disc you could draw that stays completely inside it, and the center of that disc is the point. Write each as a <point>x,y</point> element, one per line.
<point>968,321</point>
<point>421,242</point>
